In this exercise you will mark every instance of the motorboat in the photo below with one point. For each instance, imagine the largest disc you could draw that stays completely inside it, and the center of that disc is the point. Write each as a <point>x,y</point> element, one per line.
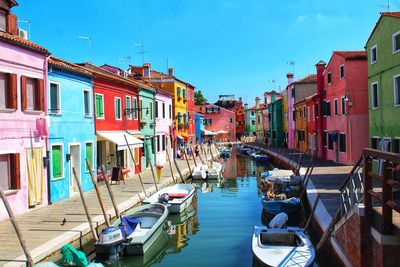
<point>261,158</point>
<point>282,247</point>
<point>274,206</point>
<point>205,172</point>
<point>177,197</point>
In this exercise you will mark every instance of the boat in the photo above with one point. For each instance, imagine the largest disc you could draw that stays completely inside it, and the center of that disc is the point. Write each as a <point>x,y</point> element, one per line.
<point>276,173</point>
<point>275,206</point>
<point>261,158</point>
<point>135,231</point>
<point>177,197</point>
<point>204,172</point>
<point>225,153</point>
<point>282,247</point>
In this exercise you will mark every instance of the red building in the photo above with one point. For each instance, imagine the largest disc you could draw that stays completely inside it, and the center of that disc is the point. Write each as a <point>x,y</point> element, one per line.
<point>191,110</point>
<point>320,120</point>
<point>230,103</point>
<point>116,116</point>
<point>312,124</point>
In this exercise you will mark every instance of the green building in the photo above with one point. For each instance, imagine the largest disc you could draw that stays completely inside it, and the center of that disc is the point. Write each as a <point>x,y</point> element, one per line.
<point>383,49</point>
<point>275,123</point>
<point>250,122</point>
<point>147,126</point>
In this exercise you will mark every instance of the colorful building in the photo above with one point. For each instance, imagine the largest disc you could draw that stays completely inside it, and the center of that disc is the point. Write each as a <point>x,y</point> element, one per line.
<point>191,110</point>
<point>301,140</point>
<point>275,123</point>
<point>320,119</point>
<point>199,119</point>
<point>250,123</point>
<point>163,106</point>
<point>285,117</point>
<point>70,102</point>
<point>229,102</point>
<point>311,124</point>
<point>261,118</point>
<point>346,106</point>
<point>117,117</point>
<point>383,49</point>
<point>23,127</point>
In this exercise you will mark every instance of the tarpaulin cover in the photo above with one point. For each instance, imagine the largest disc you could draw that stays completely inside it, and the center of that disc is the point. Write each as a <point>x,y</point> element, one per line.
<point>128,225</point>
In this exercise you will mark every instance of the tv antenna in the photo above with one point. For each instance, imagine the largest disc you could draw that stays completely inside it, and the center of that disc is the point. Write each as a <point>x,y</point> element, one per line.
<point>386,6</point>
<point>142,52</point>
<point>273,81</point>
<point>291,62</point>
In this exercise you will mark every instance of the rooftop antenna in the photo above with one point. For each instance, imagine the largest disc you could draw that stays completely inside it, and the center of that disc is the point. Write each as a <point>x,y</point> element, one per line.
<point>386,6</point>
<point>167,65</point>
<point>125,60</point>
<point>291,62</point>
<point>142,51</point>
<point>90,45</point>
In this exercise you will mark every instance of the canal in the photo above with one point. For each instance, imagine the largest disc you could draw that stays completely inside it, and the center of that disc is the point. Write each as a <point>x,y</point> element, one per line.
<point>217,230</point>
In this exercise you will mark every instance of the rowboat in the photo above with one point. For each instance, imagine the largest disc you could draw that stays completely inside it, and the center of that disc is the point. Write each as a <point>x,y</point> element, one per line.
<point>282,247</point>
<point>204,172</point>
<point>177,197</point>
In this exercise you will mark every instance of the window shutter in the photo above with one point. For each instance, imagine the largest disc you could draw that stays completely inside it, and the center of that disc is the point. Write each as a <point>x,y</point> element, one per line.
<point>39,96</point>
<point>12,92</point>
<point>12,24</point>
<point>23,93</point>
<point>15,171</point>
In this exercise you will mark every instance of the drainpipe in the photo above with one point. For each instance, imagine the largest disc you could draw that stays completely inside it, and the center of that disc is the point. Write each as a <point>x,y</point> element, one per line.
<point>45,73</point>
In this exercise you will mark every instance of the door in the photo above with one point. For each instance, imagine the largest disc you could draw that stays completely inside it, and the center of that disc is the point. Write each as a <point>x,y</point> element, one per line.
<point>35,176</point>
<point>74,162</point>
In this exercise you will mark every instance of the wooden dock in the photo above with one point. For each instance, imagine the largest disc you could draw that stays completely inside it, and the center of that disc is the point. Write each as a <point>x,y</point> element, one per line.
<point>48,228</point>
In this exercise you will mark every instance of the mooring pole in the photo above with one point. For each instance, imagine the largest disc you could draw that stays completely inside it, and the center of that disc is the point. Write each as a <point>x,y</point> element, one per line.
<point>187,161</point>
<point>193,154</point>
<point>103,172</point>
<point>169,161</point>
<point>17,229</point>
<point>78,183</point>
<point>98,193</point>
<point>152,172</point>
<point>136,168</point>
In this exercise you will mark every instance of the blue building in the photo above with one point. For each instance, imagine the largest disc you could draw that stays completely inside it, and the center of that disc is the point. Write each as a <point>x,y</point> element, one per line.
<point>199,119</point>
<point>71,132</point>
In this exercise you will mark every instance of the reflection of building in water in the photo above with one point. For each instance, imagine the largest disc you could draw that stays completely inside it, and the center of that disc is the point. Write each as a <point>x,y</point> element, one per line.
<point>230,166</point>
<point>240,166</point>
<point>250,170</point>
<point>179,238</point>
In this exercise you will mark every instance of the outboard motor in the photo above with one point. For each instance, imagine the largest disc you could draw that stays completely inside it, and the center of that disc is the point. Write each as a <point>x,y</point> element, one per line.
<point>279,221</point>
<point>110,243</point>
<point>163,199</point>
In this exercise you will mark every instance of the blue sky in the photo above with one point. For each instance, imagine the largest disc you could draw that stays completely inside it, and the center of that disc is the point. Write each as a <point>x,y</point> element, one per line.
<point>220,46</point>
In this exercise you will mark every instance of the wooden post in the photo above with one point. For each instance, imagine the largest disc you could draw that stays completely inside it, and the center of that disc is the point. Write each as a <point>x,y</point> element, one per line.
<point>187,161</point>
<point>152,174</point>
<point>16,228</point>
<point>98,193</point>
<point>103,172</point>
<point>169,161</point>
<point>179,171</point>
<point>312,212</point>
<point>78,183</point>
<point>136,168</point>
<point>194,156</point>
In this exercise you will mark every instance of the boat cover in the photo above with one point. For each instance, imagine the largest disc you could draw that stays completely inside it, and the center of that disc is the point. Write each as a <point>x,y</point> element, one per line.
<point>128,225</point>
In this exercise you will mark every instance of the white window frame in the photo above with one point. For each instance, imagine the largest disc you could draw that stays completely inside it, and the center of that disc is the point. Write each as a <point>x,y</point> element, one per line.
<point>343,105</point>
<point>395,94</point>
<point>376,54</point>
<point>340,72</point>
<point>93,168</point>
<point>104,110</point>
<point>393,43</point>
<point>62,161</point>
<point>390,141</point>
<point>56,113</point>
<point>135,112</point>
<point>120,108</point>
<point>129,112</point>
<point>372,95</point>
<point>90,109</point>
<point>335,107</point>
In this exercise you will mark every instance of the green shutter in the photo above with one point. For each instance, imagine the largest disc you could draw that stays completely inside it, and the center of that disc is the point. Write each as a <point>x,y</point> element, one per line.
<point>99,106</point>
<point>89,155</point>
<point>56,158</point>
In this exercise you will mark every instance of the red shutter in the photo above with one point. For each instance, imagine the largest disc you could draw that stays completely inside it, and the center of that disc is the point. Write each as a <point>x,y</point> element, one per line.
<point>23,93</point>
<point>12,91</point>
<point>39,99</point>
<point>15,171</point>
<point>12,27</point>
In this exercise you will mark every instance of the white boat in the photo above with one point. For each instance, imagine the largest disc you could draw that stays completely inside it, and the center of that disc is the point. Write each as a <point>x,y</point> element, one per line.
<point>204,172</point>
<point>277,173</point>
<point>282,247</point>
<point>177,197</point>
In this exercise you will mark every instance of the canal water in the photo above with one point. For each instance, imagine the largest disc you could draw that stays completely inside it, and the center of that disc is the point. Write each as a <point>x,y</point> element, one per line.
<point>217,230</point>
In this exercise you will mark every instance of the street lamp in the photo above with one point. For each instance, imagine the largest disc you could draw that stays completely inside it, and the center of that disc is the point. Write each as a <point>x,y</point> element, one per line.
<point>90,45</point>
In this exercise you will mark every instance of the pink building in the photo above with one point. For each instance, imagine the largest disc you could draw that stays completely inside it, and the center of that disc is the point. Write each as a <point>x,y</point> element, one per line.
<point>219,119</point>
<point>346,106</point>
<point>163,111</point>
<point>23,131</point>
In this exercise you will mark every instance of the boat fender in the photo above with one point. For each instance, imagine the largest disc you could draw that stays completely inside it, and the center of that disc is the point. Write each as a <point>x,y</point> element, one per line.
<point>163,199</point>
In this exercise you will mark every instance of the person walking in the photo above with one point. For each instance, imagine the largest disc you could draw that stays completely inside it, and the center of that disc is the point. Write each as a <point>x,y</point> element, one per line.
<point>197,151</point>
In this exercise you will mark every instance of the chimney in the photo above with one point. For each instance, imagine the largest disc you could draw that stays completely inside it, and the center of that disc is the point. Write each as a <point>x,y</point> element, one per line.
<point>289,77</point>
<point>171,71</point>
<point>246,106</point>
<point>320,76</point>
<point>240,99</point>
<point>146,70</point>
<point>257,102</point>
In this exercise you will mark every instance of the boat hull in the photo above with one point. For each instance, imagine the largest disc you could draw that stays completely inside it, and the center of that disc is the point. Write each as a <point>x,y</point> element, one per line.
<point>140,248</point>
<point>178,208</point>
<point>274,207</point>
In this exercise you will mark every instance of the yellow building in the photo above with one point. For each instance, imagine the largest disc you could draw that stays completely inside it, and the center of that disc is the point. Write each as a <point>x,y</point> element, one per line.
<point>285,116</point>
<point>301,117</point>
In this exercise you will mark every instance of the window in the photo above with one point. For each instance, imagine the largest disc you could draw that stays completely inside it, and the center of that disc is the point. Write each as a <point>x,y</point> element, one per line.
<point>135,108</point>
<point>158,143</point>
<point>343,105</point>
<point>163,110</point>
<point>99,106</point>
<point>396,42</point>
<point>341,71</point>
<point>258,119</point>
<point>179,116</point>
<point>342,142</point>
<point>117,106</point>
<point>89,155</point>
<point>184,118</point>
<point>374,95</point>
<point>336,107</point>
<point>170,111</point>
<point>396,145</point>
<point>330,141</point>
<point>253,122</point>
<point>327,109</point>
<point>156,111</point>
<point>32,94</point>
<point>375,142</point>
<point>308,114</point>
<point>10,170</point>
<point>329,77</point>
<point>8,91</point>
<point>178,91</point>
<point>324,137</point>
<point>163,142</point>
<point>55,105</point>
<point>3,21</point>
<point>151,110</point>
<point>316,109</point>
<point>304,112</point>
<point>385,144</point>
<point>373,54</point>
<point>252,113</point>
<point>184,93</point>
<point>86,102</point>
<point>128,107</point>
<point>57,161</point>
<point>231,120</point>
<point>396,81</point>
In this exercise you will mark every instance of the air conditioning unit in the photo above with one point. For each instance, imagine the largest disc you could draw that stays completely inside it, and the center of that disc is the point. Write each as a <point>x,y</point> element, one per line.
<point>23,34</point>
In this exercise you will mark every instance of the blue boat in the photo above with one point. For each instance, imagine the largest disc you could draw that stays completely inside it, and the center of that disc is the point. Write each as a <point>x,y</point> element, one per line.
<point>273,206</point>
<point>261,158</point>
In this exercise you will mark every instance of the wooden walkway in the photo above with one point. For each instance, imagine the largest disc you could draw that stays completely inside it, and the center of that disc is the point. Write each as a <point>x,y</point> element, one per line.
<point>45,231</point>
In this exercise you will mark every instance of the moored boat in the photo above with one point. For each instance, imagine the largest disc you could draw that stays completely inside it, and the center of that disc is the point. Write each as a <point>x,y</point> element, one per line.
<point>275,206</point>
<point>177,197</point>
<point>204,172</point>
<point>282,247</point>
<point>261,158</point>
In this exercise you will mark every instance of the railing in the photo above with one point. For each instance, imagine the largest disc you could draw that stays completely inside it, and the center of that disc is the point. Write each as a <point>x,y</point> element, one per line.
<point>380,196</point>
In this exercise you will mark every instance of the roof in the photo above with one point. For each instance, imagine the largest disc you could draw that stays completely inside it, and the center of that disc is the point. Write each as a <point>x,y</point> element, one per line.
<point>160,75</point>
<point>311,96</point>
<point>68,65</point>
<point>312,78</point>
<point>19,41</point>
<point>383,14</point>
<point>352,54</point>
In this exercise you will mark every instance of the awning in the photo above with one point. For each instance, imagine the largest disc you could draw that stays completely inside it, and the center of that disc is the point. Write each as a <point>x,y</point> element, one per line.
<point>206,132</point>
<point>118,138</point>
<point>180,137</point>
<point>222,132</point>
<point>185,137</point>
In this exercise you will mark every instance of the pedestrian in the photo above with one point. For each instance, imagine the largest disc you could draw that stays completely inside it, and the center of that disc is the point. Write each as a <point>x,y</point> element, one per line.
<point>182,153</point>
<point>197,151</point>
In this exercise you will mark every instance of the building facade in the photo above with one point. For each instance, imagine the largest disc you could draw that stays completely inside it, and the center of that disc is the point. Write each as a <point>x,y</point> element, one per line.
<point>199,119</point>
<point>285,118</point>
<point>301,140</point>
<point>163,104</point>
<point>250,123</point>
<point>275,123</point>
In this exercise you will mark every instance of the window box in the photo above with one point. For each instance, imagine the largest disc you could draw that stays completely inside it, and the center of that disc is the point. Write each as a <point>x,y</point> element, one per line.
<point>179,98</point>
